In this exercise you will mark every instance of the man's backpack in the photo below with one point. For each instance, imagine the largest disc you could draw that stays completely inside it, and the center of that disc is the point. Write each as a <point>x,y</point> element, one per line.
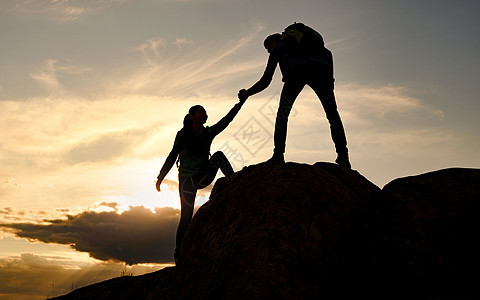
<point>310,42</point>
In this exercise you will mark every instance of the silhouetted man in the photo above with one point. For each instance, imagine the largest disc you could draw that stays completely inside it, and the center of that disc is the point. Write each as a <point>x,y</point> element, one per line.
<point>303,60</point>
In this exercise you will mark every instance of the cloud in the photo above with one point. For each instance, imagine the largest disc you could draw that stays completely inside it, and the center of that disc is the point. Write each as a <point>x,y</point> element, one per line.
<point>181,42</point>
<point>6,211</point>
<point>348,42</point>
<point>119,121</point>
<point>383,100</point>
<point>112,205</point>
<point>29,276</point>
<point>155,49</point>
<point>14,215</point>
<point>66,11</point>
<point>59,11</point>
<point>182,68</point>
<point>384,108</point>
<point>134,236</point>
<point>105,147</point>
<point>172,185</point>
<point>381,110</point>
<point>48,74</point>
<point>54,131</point>
<point>151,49</point>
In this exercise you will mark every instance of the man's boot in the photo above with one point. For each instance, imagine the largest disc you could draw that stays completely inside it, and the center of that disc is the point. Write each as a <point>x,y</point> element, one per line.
<point>342,160</point>
<point>277,158</point>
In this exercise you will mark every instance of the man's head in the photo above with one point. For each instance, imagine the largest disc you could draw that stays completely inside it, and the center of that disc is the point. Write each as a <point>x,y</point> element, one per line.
<point>271,41</point>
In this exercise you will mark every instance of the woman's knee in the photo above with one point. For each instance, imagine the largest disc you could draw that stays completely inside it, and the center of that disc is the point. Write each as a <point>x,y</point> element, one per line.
<point>219,156</point>
<point>219,160</point>
<point>218,153</point>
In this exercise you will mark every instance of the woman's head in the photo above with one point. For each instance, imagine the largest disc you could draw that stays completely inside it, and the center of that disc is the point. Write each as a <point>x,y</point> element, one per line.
<point>196,114</point>
<point>194,109</point>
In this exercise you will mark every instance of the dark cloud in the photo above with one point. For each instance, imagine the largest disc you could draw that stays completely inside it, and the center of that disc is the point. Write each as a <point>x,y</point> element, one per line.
<point>134,236</point>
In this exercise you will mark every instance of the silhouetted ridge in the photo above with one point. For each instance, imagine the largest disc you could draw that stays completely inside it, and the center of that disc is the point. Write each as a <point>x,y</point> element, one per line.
<point>298,231</point>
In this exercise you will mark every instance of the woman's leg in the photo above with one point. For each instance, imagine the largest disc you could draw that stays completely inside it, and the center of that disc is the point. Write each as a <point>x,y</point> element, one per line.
<point>219,160</point>
<point>188,192</point>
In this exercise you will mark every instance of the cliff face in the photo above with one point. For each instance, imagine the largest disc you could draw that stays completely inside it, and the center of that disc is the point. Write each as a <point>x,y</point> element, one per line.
<point>301,231</point>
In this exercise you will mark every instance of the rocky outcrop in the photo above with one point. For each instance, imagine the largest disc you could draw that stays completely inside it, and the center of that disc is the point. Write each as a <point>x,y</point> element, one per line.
<point>282,231</point>
<point>298,231</point>
<point>427,231</point>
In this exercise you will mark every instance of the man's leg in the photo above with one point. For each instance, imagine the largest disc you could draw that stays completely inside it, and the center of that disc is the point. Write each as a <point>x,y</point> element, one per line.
<point>289,94</point>
<point>327,97</point>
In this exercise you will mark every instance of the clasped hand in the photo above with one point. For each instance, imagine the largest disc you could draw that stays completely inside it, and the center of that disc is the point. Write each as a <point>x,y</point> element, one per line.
<point>242,95</point>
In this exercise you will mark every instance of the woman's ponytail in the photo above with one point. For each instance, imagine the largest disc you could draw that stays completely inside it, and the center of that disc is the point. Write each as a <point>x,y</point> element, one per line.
<point>188,123</point>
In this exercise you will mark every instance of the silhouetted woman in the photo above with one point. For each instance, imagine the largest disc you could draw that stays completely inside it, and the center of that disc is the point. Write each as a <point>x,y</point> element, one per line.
<point>197,168</point>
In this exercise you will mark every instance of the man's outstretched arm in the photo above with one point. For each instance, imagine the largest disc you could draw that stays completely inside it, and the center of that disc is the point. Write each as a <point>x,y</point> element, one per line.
<point>264,81</point>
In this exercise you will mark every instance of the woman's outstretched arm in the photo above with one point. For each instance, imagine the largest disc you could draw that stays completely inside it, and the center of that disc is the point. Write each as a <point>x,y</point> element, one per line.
<point>223,123</point>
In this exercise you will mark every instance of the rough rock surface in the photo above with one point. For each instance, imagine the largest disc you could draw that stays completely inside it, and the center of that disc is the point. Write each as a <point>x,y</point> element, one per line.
<point>282,230</point>
<point>428,227</point>
<point>298,231</point>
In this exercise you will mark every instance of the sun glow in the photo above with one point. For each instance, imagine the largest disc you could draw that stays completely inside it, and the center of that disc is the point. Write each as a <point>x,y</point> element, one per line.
<point>144,196</point>
<point>136,187</point>
<point>151,199</point>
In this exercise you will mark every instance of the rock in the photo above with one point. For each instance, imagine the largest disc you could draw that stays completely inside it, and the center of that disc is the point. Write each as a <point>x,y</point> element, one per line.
<point>297,231</point>
<point>276,231</point>
<point>428,230</point>
<point>282,231</point>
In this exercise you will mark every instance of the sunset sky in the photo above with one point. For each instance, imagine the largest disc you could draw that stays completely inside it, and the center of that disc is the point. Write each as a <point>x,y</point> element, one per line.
<point>92,93</point>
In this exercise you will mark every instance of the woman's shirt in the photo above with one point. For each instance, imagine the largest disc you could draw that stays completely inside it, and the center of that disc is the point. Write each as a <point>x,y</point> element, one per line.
<point>194,156</point>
